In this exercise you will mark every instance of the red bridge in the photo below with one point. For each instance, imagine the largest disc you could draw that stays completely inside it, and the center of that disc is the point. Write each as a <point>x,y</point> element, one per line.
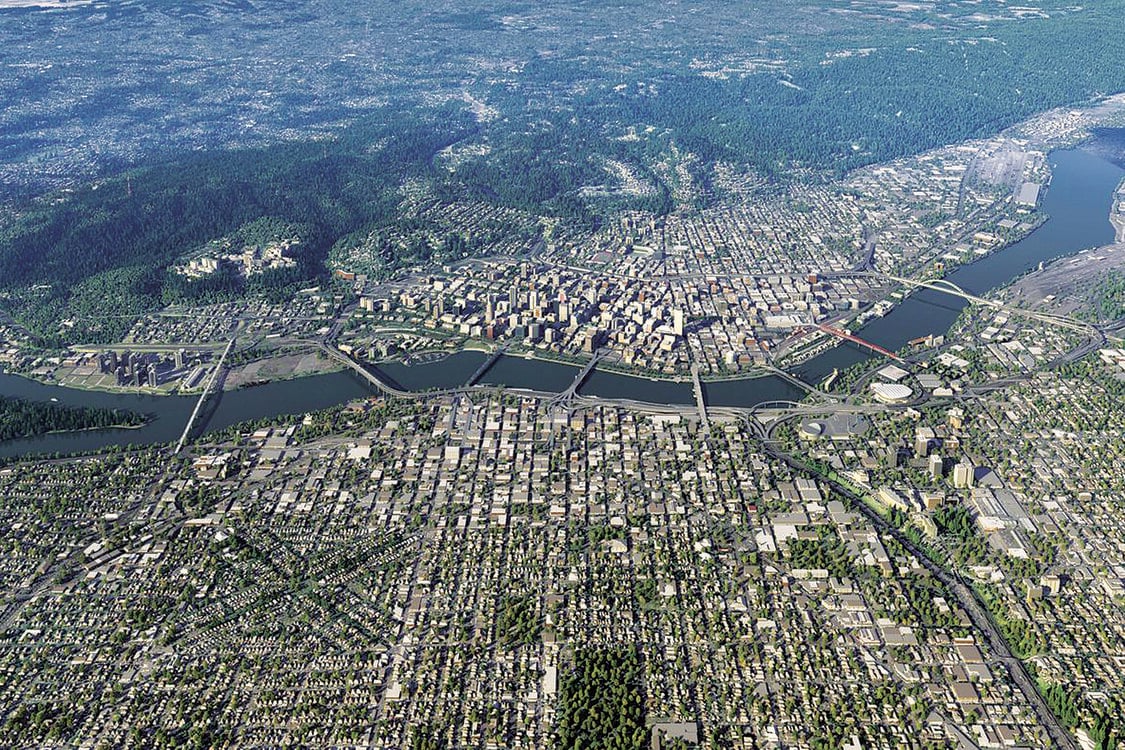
<point>857,340</point>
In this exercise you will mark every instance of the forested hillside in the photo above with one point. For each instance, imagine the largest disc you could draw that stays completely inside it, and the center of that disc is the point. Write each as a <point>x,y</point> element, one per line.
<point>549,127</point>
<point>101,254</point>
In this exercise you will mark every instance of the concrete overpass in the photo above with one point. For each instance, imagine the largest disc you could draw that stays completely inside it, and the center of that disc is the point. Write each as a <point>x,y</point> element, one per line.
<point>379,383</point>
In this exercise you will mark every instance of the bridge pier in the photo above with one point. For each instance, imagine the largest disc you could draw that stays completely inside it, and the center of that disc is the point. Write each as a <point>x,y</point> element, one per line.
<point>857,340</point>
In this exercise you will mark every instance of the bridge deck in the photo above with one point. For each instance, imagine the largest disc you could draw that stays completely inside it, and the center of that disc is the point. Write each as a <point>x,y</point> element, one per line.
<point>572,389</point>
<point>697,386</point>
<point>203,396</point>
<point>857,340</point>
<point>485,365</point>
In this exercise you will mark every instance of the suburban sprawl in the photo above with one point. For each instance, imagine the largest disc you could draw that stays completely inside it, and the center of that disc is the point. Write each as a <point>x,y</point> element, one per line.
<point>490,377</point>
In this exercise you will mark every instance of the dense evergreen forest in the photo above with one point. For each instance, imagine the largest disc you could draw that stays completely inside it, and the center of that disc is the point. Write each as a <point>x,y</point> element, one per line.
<point>100,256</point>
<point>908,91</point>
<point>20,419</point>
<point>226,283</point>
<point>601,701</point>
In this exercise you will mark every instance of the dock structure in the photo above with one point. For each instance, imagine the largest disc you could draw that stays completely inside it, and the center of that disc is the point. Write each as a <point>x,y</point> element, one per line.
<point>496,354</point>
<point>697,386</point>
<point>211,380</point>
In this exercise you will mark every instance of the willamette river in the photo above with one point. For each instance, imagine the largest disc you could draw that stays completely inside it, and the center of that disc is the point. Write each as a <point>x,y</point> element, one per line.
<point>1078,202</point>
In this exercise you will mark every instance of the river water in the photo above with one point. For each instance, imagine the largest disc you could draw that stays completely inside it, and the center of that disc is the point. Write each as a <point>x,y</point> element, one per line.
<point>169,414</point>
<point>1078,202</point>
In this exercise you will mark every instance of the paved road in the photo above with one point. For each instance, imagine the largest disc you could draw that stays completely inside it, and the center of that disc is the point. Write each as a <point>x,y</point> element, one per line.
<point>965,596</point>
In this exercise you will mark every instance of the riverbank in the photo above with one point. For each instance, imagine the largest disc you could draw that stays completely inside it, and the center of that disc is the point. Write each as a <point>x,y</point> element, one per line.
<point>1117,213</point>
<point>1083,188</point>
<point>1078,202</point>
<point>92,429</point>
<point>801,358</point>
<point>23,418</point>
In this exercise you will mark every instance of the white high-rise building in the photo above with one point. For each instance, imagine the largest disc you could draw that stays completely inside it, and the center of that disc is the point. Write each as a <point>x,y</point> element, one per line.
<point>963,475</point>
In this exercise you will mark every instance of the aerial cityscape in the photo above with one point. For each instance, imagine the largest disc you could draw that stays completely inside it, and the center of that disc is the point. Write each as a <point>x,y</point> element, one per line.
<point>571,375</point>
